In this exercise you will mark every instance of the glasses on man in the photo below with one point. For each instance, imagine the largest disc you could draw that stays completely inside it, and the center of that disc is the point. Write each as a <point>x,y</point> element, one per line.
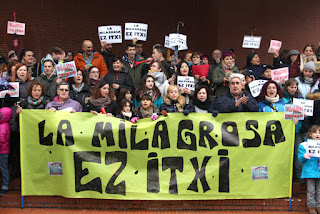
<point>63,89</point>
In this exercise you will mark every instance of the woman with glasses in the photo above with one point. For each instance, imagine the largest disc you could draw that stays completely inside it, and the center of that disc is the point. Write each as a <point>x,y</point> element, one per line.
<point>63,101</point>
<point>93,76</point>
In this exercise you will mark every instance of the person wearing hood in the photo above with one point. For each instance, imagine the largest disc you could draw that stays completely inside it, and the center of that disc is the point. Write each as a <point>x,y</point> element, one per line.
<point>307,80</point>
<point>49,78</point>
<point>87,59</point>
<point>27,57</point>
<point>57,56</point>
<point>254,66</point>
<point>5,116</point>
<point>63,100</point>
<point>118,78</point>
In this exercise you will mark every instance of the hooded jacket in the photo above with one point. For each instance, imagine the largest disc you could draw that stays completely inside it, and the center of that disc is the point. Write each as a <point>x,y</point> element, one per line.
<point>6,114</point>
<point>173,106</point>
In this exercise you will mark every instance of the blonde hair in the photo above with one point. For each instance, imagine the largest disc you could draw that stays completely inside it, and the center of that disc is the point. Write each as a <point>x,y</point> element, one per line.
<point>171,87</point>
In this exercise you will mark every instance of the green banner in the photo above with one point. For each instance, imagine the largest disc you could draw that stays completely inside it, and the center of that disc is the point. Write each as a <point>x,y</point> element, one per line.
<point>194,157</point>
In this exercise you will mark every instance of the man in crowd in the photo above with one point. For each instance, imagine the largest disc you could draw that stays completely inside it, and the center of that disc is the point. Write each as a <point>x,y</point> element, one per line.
<point>236,100</point>
<point>88,58</point>
<point>216,56</point>
<point>108,56</point>
<point>139,50</point>
<point>49,78</point>
<point>27,57</point>
<point>56,55</point>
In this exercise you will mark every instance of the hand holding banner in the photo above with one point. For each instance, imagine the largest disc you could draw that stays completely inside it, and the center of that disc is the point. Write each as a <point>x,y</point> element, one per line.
<point>280,74</point>
<point>201,70</point>
<point>275,46</point>
<point>66,70</point>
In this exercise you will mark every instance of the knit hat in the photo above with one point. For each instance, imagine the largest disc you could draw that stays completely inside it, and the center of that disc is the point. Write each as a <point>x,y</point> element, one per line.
<point>10,53</point>
<point>205,56</point>
<point>249,58</point>
<point>236,75</point>
<point>293,52</point>
<point>310,65</point>
<point>225,54</point>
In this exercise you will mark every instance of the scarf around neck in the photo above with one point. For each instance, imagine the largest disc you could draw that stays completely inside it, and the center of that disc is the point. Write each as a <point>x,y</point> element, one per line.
<point>202,105</point>
<point>100,102</point>
<point>36,101</point>
<point>77,89</point>
<point>272,99</point>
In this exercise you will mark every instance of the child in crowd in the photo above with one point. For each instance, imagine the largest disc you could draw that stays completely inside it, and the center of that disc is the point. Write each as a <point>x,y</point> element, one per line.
<point>146,109</point>
<point>125,110</point>
<point>311,171</point>
<point>125,93</point>
<point>174,102</point>
<point>5,116</point>
<point>267,72</point>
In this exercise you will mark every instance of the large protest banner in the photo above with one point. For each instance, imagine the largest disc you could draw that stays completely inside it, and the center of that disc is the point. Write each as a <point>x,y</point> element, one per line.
<point>194,157</point>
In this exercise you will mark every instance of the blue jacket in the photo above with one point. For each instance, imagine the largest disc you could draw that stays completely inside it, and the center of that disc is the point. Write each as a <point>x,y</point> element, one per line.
<point>287,99</point>
<point>227,104</point>
<point>264,106</point>
<point>310,167</point>
<point>157,102</point>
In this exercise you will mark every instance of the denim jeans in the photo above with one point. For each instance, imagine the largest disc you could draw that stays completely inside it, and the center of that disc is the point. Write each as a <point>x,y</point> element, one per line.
<point>313,192</point>
<point>4,170</point>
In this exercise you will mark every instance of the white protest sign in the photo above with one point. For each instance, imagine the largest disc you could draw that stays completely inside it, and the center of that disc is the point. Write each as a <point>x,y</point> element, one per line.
<point>13,92</point>
<point>280,74</point>
<point>135,30</point>
<point>66,70</point>
<point>256,86</point>
<point>177,39</point>
<point>307,104</point>
<point>110,34</point>
<point>185,82</point>
<point>251,42</point>
<point>293,111</point>
<point>275,46</point>
<point>167,45</point>
<point>16,27</point>
<point>313,147</point>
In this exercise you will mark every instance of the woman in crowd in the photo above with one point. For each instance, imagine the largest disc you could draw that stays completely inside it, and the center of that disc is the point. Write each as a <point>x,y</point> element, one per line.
<point>147,86</point>
<point>307,80</point>
<point>196,61</point>
<point>79,91</point>
<point>36,97</point>
<point>219,79</point>
<point>158,71</point>
<point>22,76</point>
<point>63,101</point>
<point>270,96</point>
<point>125,93</point>
<point>93,77</point>
<point>184,70</point>
<point>102,100</point>
<point>203,102</point>
<point>307,55</point>
<point>118,78</point>
<point>11,69</point>
<point>254,66</point>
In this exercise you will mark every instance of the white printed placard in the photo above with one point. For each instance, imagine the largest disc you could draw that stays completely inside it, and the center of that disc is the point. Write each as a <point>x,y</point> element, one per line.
<point>293,111</point>
<point>185,82</point>
<point>251,42</point>
<point>275,46</point>
<point>135,30</point>
<point>110,34</point>
<point>16,27</point>
<point>313,147</point>
<point>12,92</point>
<point>280,74</point>
<point>256,86</point>
<point>307,104</point>
<point>66,70</point>
<point>167,45</point>
<point>177,39</point>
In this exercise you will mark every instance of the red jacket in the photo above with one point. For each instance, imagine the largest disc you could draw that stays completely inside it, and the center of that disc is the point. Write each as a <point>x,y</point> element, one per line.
<point>97,61</point>
<point>6,114</point>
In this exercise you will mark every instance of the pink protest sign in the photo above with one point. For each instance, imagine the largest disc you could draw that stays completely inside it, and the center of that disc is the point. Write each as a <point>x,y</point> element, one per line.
<point>16,27</point>
<point>280,74</point>
<point>275,46</point>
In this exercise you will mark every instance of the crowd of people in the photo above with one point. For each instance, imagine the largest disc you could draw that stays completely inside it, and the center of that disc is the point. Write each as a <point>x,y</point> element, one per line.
<point>134,86</point>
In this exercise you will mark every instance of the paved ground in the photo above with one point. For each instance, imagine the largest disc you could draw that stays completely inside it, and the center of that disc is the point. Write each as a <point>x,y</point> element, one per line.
<point>78,211</point>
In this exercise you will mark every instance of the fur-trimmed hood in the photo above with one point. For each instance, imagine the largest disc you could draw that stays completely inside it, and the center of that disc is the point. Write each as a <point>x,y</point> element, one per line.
<point>314,96</point>
<point>181,102</point>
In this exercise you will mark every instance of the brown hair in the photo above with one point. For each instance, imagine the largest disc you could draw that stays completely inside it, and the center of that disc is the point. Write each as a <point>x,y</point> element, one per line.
<point>290,82</point>
<point>36,83</point>
<point>312,130</point>
<point>11,64</point>
<point>14,75</point>
<point>311,46</point>
<point>96,90</point>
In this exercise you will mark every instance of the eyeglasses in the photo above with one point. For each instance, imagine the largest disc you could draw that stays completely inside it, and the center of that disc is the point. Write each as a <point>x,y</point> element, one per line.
<point>92,72</point>
<point>196,57</point>
<point>63,89</point>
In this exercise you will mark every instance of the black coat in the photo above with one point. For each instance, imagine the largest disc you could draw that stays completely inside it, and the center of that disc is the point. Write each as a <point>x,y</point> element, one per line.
<point>80,96</point>
<point>226,104</point>
<point>108,58</point>
<point>112,108</point>
<point>122,78</point>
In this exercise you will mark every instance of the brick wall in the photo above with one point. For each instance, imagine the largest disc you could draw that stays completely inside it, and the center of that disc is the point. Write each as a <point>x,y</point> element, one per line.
<point>209,24</point>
